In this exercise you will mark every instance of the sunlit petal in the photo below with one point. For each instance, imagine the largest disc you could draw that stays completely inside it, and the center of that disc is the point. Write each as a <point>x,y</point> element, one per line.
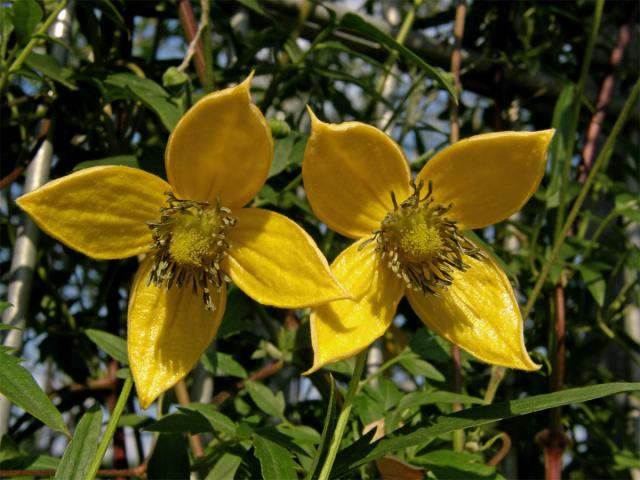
<point>349,171</point>
<point>100,211</point>
<point>344,328</point>
<point>488,177</point>
<point>168,332</point>
<point>479,313</point>
<point>277,263</point>
<point>220,149</point>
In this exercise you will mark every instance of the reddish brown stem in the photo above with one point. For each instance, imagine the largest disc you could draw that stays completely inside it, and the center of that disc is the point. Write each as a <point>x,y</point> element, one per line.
<point>554,439</point>
<point>456,60</point>
<point>604,97</point>
<point>138,471</point>
<point>504,450</point>
<point>190,27</point>
<point>183,399</point>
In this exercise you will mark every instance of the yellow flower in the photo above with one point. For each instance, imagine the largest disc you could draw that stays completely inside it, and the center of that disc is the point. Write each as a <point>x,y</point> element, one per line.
<point>196,233</point>
<point>409,239</point>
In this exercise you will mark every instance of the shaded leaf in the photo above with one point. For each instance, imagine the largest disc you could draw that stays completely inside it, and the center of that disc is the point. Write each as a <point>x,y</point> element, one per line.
<point>79,453</point>
<point>218,421</point>
<point>225,468</point>
<point>170,459</point>
<point>49,67</point>
<point>17,384</point>
<point>352,21</point>
<point>275,461</point>
<point>113,345</point>
<point>362,452</point>
<point>150,94</point>
<point>124,160</point>
<point>26,17</point>
<point>265,399</point>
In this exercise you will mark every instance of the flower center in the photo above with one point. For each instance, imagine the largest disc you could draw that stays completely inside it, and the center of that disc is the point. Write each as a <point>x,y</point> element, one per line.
<point>421,246</point>
<point>189,245</point>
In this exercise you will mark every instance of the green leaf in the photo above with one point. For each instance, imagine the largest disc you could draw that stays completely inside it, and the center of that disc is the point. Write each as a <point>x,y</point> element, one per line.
<point>351,21</point>
<point>124,160</point>
<point>149,93</point>
<point>362,451</point>
<point>417,399</point>
<point>170,459</point>
<point>26,17</point>
<point>184,420</point>
<point>228,366</point>
<point>218,421</point>
<point>300,433</point>
<point>17,384</point>
<point>134,421</point>
<point>79,453</point>
<point>264,398</point>
<point>416,366</point>
<point>446,464</point>
<point>595,282</point>
<point>111,344</point>
<point>281,154</point>
<point>3,306</point>
<point>225,468</point>
<point>562,123</point>
<point>275,461</point>
<point>48,66</point>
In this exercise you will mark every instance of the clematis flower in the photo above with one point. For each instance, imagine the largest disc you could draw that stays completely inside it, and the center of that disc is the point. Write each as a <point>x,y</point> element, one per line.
<point>195,232</point>
<point>410,241</point>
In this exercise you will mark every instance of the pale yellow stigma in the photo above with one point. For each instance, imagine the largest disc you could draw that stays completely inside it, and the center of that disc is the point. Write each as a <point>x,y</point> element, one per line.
<point>190,244</point>
<point>193,239</point>
<point>421,245</point>
<point>419,242</point>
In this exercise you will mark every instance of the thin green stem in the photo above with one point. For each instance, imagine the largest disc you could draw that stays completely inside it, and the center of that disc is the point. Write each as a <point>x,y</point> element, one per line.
<point>575,115</point>
<point>405,28</point>
<point>111,427</point>
<point>35,39</point>
<point>383,368</point>
<point>207,47</point>
<point>586,187</point>
<point>341,424</point>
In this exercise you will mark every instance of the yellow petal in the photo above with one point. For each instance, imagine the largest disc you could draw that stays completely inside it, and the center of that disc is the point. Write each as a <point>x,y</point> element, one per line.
<point>221,149</point>
<point>344,328</point>
<point>276,262</point>
<point>488,177</point>
<point>349,171</point>
<point>479,313</point>
<point>100,211</point>
<point>168,332</point>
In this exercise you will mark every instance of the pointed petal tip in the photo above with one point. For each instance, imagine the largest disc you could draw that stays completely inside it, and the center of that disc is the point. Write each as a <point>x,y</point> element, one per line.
<point>315,121</point>
<point>246,83</point>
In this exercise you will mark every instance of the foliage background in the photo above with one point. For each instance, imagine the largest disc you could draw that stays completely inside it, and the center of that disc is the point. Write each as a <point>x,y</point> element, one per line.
<point>115,93</point>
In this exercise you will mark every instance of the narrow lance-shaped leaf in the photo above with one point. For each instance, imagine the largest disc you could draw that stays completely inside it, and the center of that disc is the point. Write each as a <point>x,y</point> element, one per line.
<point>352,21</point>
<point>17,384</point>
<point>115,346</point>
<point>83,446</point>
<point>362,451</point>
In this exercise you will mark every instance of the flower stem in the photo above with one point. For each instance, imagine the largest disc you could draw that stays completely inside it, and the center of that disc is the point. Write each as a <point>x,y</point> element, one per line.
<point>111,427</point>
<point>341,424</point>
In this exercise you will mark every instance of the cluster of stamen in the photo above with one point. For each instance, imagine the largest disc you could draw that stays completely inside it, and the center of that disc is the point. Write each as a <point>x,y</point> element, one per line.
<point>190,243</point>
<point>421,245</point>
